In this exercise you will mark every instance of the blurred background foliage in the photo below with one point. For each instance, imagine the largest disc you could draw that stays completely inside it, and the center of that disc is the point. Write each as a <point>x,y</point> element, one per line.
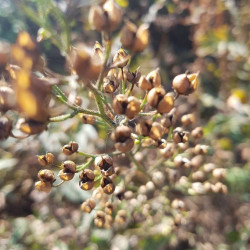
<point>210,36</point>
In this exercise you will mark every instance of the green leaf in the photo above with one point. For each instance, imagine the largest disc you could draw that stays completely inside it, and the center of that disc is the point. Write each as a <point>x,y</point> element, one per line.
<point>122,3</point>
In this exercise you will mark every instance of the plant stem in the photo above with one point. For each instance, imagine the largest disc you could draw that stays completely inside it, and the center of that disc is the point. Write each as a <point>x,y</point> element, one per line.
<point>144,101</point>
<point>123,82</point>
<point>81,167</point>
<point>86,154</point>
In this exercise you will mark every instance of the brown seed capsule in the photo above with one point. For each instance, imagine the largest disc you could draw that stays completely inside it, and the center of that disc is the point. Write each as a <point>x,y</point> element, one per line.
<point>128,35</point>
<point>5,127</point>
<point>142,38</point>
<point>185,84</point>
<point>133,77</point>
<point>43,186</point>
<point>165,104</point>
<point>144,127</point>
<point>181,162</point>
<point>31,127</point>
<point>179,135</point>
<point>107,185</point>
<point>105,163</point>
<point>187,119</point>
<point>121,58</point>
<point>201,149</point>
<point>122,138</point>
<point>154,96</point>
<point>219,173</point>
<point>156,131</point>
<point>70,148</point>
<point>88,205</point>
<point>121,217</point>
<point>45,160</point>
<point>7,98</point>
<point>88,119</point>
<point>197,161</point>
<point>144,83</point>
<point>68,171</point>
<point>46,175</point>
<point>154,78</point>
<point>109,208</point>
<point>110,84</point>
<point>108,221</point>
<point>120,104</point>
<point>133,107</point>
<point>197,133</point>
<point>168,151</point>
<point>87,179</point>
<point>178,204</point>
<point>78,101</point>
<point>99,219</point>
<point>97,18</point>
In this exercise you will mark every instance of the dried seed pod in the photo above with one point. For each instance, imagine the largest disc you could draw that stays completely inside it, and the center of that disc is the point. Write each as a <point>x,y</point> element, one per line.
<point>121,58</point>
<point>45,160</point>
<point>168,151</point>
<point>178,204</point>
<point>5,127</point>
<point>133,77</point>
<point>31,127</point>
<point>68,171</point>
<point>70,148</point>
<point>107,185</point>
<point>219,173</point>
<point>133,107</point>
<point>154,78</point>
<point>46,175</point>
<point>110,84</point>
<point>198,176</point>
<point>128,35</point>
<point>180,162</point>
<point>197,161</point>
<point>121,217</point>
<point>43,186</point>
<point>197,133</point>
<point>156,131</point>
<point>122,138</point>
<point>99,219</point>
<point>109,208</point>
<point>78,101</point>
<point>144,83</point>
<point>120,104</point>
<point>108,221</point>
<point>144,127</point>
<point>187,119</point>
<point>179,135</point>
<point>201,149</point>
<point>88,119</point>
<point>142,38</point>
<point>185,84</point>
<point>154,96</point>
<point>7,98</point>
<point>165,104</point>
<point>105,163</point>
<point>119,192</point>
<point>97,18</point>
<point>87,179</point>
<point>88,205</point>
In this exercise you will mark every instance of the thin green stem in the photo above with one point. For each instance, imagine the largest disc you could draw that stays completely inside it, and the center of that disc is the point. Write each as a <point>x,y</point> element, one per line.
<point>144,101</point>
<point>87,164</point>
<point>63,117</point>
<point>123,82</point>
<point>86,154</point>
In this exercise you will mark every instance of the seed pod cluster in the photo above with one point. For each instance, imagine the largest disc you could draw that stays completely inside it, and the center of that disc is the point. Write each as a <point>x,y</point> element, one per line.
<point>45,160</point>
<point>47,178</point>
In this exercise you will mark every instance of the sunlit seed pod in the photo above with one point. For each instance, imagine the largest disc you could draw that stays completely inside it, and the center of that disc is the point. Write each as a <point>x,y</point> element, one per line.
<point>144,127</point>
<point>198,176</point>
<point>88,119</point>
<point>70,148</point>
<point>121,217</point>
<point>105,163</point>
<point>65,176</point>
<point>109,208</point>
<point>46,175</point>
<point>31,127</point>
<point>110,84</point>
<point>128,34</point>
<point>119,192</point>
<point>50,158</point>
<point>165,104</point>
<point>114,14</point>
<point>85,207</point>
<point>107,185</point>
<point>125,146</point>
<point>133,107</point>
<point>97,18</point>
<point>197,133</point>
<point>42,160</point>
<point>7,98</point>
<point>5,127</point>
<point>207,186</point>
<point>156,131</point>
<point>209,167</point>
<point>168,151</point>
<point>154,96</point>
<point>219,173</point>
<point>188,119</point>
<point>120,104</point>
<point>128,195</point>
<point>180,161</point>
<point>144,83</point>
<point>178,204</point>
<point>108,221</point>
<point>197,161</point>
<point>121,58</point>
<point>158,178</point>
<point>87,179</point>
<point>43,186</point>
<point>142,38</point>
<point>133,77</point>
<point>179,135</point>
<point>154,78</point>
<point>99,219</point>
